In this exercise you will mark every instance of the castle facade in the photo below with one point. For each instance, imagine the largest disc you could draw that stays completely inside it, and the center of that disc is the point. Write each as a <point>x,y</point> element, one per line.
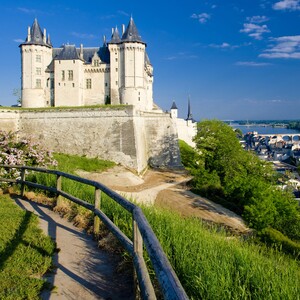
<point>118,72</point>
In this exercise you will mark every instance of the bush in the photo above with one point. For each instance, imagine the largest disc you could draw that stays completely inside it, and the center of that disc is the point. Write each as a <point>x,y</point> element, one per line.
<point>278,240</point>
<point>14,151</point>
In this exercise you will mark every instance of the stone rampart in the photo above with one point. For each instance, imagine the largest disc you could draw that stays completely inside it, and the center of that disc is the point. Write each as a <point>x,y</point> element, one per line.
<point>118,134</point>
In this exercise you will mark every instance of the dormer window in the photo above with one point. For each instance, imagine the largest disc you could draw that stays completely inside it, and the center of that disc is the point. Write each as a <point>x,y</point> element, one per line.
<point>96,63</point>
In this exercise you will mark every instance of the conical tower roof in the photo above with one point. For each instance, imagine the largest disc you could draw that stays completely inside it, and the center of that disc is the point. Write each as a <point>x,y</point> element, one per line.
<point>174,105</point>
<point>115,38</point>
<point>131,33</point>
<point>36,36</point>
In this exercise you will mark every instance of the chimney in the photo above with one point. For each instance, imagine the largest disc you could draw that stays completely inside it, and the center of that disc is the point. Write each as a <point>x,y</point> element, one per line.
<point>81,51</point>
<point>45,36</point>
<point>28,35</point>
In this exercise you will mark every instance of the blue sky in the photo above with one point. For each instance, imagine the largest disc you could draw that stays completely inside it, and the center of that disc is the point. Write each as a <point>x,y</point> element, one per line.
<point>236,59</point>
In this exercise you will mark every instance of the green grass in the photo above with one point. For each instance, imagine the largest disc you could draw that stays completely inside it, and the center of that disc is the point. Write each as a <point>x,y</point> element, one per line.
<point>25,253</point>
<point>209,264</point>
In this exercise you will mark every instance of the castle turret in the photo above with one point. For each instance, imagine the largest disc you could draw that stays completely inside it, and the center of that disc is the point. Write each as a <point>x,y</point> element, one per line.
<point>174,111</point>
<point>114,49</point>
<point>36,55</point>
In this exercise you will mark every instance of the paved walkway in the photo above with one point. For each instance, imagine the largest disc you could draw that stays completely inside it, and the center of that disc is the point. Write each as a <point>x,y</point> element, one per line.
<point>83,270</point>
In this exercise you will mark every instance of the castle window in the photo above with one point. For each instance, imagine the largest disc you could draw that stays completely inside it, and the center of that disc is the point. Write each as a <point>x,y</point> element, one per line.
<point>38,58</point>
<point>89,83</point>
<point>38,71</point>
<point>96,63</point>
<point>116,69</point>
<point>38,83</point>
<point>105,83</point>
<point>73,61</point>
<point>116,82</point>
<point>62,75</point>
<point>116,59</point>
<point>73,84</point>
<point>70,73</point>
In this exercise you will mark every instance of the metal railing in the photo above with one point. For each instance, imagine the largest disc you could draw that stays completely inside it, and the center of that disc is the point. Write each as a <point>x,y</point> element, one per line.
<point>143,234</point>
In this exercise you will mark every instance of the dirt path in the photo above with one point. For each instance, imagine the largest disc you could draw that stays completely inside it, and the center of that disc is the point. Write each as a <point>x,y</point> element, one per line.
<point>83,270</point>
<point>167,189</point>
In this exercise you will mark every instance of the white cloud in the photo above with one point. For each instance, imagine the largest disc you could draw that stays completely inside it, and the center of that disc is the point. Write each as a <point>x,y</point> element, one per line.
<point>124,13</point>
<point>27,10</point>
<point>224,45</point>
<point>202,18</point>
<point>254,30</point>
<point>257,19</point>
<point>287,5</point>
<point>83,35</point>
<point>283,47</point>
<point>181,55</point>
<point>19,40</point>
<point>252,64</point>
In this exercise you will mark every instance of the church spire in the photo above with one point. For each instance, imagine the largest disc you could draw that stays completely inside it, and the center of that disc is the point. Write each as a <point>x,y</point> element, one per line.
<point>189,114</point>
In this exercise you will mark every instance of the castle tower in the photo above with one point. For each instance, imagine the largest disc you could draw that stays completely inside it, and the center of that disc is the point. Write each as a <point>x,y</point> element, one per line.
<point>174,111</point>
<point>115,78</point>
<point>36,55</point>
<point>132,68</point>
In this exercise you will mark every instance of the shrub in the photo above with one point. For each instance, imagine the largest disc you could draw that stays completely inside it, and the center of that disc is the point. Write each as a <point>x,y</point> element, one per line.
<point>278,240</point>
<point>14,151</point>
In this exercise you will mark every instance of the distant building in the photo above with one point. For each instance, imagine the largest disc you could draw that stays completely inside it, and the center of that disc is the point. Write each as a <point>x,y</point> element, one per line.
<point>186,128</point>
<point>118,72</point>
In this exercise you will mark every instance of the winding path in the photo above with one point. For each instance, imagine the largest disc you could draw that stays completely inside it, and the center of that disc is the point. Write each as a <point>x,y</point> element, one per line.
<point>83,271</point>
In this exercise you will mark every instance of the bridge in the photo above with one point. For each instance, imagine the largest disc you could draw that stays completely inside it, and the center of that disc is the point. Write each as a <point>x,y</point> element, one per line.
<point>275,138</point>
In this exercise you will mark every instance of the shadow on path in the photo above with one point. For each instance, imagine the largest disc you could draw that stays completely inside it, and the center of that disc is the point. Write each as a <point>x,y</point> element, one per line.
<point>82,270</point>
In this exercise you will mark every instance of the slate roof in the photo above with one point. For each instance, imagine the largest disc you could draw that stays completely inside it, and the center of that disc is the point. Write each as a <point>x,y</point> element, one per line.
<point>37,36</point>
<point>131,33</point>
<point>115,38</point>
<point>174,105</point>
<point>68,52</point>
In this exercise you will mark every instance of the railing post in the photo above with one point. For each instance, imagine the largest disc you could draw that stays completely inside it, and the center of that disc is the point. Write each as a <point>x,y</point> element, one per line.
<point>97,205</point>
<point>137,249</point>
<point>58,188</point>
<point>22,182</point>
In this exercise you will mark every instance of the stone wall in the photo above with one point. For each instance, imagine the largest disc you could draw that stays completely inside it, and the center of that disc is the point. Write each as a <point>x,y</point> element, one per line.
<point>118,134</point>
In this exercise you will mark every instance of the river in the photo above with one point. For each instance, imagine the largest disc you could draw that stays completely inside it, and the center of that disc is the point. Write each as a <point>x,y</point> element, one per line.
<point>264,129</point>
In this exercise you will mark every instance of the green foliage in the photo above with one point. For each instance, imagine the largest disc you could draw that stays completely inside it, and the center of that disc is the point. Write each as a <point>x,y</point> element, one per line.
<point>14,151</point>
<point>72,163</point>
<point>25,253</point>
<point>278,240</point>
<point>211,265</point>
<point>223,170</point>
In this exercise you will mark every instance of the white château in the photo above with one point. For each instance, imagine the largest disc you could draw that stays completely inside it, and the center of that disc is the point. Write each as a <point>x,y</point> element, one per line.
<point>118,72</point>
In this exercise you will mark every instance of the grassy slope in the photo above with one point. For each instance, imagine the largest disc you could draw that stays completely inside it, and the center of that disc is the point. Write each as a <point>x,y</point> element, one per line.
<point>25,253</point>
<point>210,265</point>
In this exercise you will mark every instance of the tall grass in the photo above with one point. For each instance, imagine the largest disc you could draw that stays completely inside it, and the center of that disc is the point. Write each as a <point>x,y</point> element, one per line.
<point>25,253</point>
<point>210,264</point>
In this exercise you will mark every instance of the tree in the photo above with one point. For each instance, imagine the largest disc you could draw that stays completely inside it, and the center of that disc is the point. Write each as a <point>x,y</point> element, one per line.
<point>223,169</point>
<point>17,94</point>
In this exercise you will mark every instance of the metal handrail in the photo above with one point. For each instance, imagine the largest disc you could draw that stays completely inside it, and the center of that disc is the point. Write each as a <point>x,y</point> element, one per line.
<point>142,232</point>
